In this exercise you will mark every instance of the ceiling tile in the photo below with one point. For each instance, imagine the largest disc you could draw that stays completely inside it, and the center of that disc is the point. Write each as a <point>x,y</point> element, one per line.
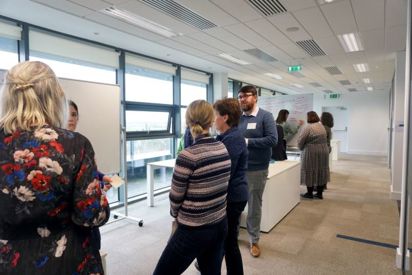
<point>91,4</point>
<point>124,27</point>
<point>209,11</point>
<point>210,40</point>
<point>295,5</point>
<point>190,42</point>
<point>292,49</point>
<point>340,17</point>
<point>369,14</point>
<point>330,45</point>
<point>395,13</point>
<point>267,30</point>
<point>244,11</point>
<point>373,39</point>
<point>247,34</point>
<point>285,21</point>
<point>314,22</point>
<point>395,38</point>
<point>66,6</point>
<point>276,53</point>
<point>159,17</point>
<point>229,38</point>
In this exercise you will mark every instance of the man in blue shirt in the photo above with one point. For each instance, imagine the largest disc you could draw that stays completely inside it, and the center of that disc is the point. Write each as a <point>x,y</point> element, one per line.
<point>259,130</point>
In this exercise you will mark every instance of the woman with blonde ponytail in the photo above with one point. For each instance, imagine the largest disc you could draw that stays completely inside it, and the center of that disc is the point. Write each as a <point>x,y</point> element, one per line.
<point>198,199</point>
<point>50,196</point>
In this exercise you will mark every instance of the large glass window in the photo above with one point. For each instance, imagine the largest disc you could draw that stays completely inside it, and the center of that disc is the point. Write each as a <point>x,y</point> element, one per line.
<point>9,36</point>
<point>144,85</point>
<point>74,59</point>
<point>147,121</point>
<point>141,152</point>
<point>191,91</point>
<point>230,88</point>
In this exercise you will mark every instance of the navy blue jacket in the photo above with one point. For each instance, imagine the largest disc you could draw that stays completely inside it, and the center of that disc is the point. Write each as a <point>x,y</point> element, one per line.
<point>236,146</point>
<point>262,136</point>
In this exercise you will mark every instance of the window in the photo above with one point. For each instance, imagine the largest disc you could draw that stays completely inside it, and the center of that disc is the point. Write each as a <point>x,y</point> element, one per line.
<point>74,59</point>
<point>148,86</point>
<point>147,121</point>
<point>230,88</point>
<point>148,80</point>
<point>191,91</point>
<point>139,153</point>
<point>9,35</point>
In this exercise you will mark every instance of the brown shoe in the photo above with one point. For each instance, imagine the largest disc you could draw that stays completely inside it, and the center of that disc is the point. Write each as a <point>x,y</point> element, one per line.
<point>254,250</point>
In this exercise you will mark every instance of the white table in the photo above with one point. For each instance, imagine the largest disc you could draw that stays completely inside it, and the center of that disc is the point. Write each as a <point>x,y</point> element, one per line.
<point>281,194</point>
<point>151,166</point>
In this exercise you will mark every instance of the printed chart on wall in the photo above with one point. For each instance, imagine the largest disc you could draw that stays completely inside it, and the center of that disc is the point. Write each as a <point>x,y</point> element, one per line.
<point>297,105</point>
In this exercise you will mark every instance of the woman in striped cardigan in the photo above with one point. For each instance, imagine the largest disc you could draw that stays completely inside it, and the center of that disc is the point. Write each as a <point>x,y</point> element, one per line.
<point>198,199</point>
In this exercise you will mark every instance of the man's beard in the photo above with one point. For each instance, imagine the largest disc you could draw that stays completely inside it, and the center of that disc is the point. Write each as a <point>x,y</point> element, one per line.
<point>246,107</point>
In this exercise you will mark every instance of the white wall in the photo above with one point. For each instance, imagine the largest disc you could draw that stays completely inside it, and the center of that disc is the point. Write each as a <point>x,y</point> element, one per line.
<point>368,120</point>
<point>398,118</point>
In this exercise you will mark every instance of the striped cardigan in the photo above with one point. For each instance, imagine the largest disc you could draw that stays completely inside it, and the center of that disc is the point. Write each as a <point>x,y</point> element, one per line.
<point>200,182</point>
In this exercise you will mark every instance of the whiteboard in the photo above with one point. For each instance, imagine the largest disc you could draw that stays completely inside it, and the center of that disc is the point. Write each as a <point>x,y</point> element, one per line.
<point>99,119</point>
<point>297,105</point>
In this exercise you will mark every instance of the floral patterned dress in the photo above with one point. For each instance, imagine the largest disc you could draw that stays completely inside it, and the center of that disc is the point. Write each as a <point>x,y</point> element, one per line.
<point>50,198</point>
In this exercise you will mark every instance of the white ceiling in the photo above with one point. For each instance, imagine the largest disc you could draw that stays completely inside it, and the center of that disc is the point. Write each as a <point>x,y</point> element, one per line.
<point>240,26</point>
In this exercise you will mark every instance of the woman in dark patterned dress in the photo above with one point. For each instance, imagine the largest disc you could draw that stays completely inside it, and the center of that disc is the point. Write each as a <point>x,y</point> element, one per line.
<point>314,157</point>
<point>49,192</point>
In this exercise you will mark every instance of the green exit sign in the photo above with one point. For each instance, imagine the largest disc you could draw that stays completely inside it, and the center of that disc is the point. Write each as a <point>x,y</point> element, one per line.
<point>334,96</point>
<point>295,68</point>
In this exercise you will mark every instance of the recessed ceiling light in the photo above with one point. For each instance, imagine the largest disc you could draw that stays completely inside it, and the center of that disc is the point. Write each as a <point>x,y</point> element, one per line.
<point>369,88</point>
<point>350,42</point>
<point>361,67</point>
<point>298,85</point>
<point>139,21</point>
<point>292,29</point>
<point>325,1</point>
<point>274,76</point>
<point>366,80</point>
<point>233,59</point>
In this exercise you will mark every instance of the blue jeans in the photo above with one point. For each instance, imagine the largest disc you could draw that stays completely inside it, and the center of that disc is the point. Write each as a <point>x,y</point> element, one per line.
<point>187,243</point>
<point>233,257</point>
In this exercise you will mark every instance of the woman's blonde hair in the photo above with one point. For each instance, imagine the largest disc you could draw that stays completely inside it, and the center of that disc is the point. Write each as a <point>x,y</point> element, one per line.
<point>199,116</point>
<point>32,97</point>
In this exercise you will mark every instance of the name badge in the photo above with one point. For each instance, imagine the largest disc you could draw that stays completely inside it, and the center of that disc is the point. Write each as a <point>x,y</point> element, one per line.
<point>251,126</point>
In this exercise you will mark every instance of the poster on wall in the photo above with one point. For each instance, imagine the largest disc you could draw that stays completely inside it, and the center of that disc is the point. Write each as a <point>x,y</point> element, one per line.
<point>297,105</point>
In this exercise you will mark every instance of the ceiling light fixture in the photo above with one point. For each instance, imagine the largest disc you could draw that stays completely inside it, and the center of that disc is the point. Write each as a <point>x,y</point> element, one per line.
<point>325,1</point>
<point>274,76</point>
<point>369,89</point>
<point>361,67</point>
<point>233,59</point>
<point>297,85</point>
<point>366,80</point>
<point>350,42</point>
<point>139,21</point>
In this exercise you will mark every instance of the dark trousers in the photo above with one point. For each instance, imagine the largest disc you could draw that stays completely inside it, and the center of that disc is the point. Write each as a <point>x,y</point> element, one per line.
<point>188,243</point>
<point>233,257</point>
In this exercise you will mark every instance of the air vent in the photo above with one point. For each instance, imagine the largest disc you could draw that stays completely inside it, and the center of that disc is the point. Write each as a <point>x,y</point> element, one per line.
<point>333,70</point>
<point>315,84</point>
<point>261,55</point>
<point>183,14</point>
<point>345,82</point>
<point>311,47</point>
<point>268,7</point>
<point>352,90</point>
<point>327,91</point>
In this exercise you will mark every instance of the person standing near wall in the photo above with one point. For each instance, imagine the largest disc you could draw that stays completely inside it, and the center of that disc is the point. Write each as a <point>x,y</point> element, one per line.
<point>279,150</point>
<point>198,199</point>
<point>314,157</point>
<point>227,116</point>
<point>105,180</point>
<point>327,121</point>
<point>259,129</point>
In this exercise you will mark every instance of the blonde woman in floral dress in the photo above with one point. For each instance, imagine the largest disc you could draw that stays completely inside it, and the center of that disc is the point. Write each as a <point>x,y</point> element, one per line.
<point>49,192</point>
